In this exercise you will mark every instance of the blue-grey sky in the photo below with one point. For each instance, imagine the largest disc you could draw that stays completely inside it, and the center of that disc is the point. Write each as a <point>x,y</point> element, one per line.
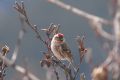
<point>42,14</point>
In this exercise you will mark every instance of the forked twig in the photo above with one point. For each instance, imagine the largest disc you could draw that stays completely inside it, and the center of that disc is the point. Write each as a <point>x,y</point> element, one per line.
<point>82,49</point>
<point>21,9</point>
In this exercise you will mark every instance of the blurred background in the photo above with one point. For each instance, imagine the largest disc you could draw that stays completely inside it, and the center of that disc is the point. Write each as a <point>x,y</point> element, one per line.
<point>42,13</point>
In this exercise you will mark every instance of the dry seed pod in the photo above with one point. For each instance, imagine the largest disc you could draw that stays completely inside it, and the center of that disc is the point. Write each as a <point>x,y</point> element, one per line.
<point>99,73</point>
<point>82,76</point>
<point>5,50</point>
<point>82,49</point>
<point>46,61</point>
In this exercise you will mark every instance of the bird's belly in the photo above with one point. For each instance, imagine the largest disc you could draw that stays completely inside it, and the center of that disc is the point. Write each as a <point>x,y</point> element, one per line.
<point>57,54</point>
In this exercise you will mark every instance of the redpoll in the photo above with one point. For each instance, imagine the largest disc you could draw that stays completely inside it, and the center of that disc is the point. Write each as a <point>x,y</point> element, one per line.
<point>60,49</point>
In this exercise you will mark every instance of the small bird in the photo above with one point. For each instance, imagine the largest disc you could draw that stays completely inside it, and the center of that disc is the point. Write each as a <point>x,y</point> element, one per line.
<point>60,49</point>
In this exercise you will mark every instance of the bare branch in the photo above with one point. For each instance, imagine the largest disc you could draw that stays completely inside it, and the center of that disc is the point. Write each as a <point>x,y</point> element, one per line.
<point>66,70</point>
<point>18,68</point>
<point>97,27</point>
<point>82,76</point>
<point>56,73</point>
<point>116,25</point>
<point>79,12</point>
<point>20,37</point>
<point>94,20</point>
<point>21,10</point>
<point>82,49</point>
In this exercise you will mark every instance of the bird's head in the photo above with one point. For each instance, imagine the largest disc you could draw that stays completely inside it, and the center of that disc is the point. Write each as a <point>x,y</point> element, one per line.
<point>59,37</point>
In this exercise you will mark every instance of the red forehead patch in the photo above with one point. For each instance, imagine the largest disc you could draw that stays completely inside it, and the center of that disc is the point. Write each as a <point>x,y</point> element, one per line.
<point>60,35</point>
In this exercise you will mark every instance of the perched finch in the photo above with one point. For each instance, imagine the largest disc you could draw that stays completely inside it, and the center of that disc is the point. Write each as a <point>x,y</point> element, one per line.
<point>60,49</point>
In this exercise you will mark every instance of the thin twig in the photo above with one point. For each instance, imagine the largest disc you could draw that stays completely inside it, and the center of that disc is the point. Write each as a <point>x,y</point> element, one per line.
<point>78,70</point>
<point>56,73</point>
<point>21,10</point>
<point>67,70</point>
<point>97,27</point>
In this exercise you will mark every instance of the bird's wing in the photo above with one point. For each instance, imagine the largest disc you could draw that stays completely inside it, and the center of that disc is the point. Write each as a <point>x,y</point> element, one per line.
<point>59,50</point>
<point>65,48</point>
<point>66,51</point>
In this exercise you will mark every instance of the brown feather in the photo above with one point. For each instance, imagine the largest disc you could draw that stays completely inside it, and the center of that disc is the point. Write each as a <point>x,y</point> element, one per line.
<point>58,48</point>
<point>66,51</point>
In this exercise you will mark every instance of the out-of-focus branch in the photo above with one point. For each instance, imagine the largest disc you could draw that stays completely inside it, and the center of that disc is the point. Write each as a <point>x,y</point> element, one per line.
<point>23,18</point>
<point>108,59</point>
<point>94,20</point>
<point>116,26</point>
<point>21,9</point>
<point>97,27</point>
<point>20,37</point>
<point>113,57</point>
<point>79,12</point>
<point>18,68</point>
